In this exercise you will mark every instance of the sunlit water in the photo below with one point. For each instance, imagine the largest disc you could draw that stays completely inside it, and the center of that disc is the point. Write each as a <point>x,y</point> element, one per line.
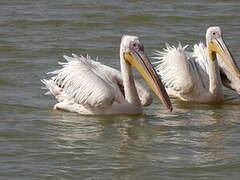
<point>195,141</point>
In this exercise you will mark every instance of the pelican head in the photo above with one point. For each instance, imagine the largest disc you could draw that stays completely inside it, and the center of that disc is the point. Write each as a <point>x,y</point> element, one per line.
<point>132,51</point>
<point>230,73</point>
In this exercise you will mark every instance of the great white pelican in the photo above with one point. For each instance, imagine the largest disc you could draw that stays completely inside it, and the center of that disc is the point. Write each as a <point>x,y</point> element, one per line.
<point>198,76</point>
<point>85,86</point>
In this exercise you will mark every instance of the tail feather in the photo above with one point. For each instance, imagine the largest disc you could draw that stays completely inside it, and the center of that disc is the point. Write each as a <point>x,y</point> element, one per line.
<point>52,87</point>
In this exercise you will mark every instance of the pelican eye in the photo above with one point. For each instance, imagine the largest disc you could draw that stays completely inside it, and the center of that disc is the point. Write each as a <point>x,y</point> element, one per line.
<point>136,46</point>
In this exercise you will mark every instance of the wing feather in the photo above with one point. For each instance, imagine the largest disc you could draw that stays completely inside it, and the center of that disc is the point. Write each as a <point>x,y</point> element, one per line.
<point>88,82</point>
<point>174,69</point>
<point>199,60</point>
<point>79,79</point>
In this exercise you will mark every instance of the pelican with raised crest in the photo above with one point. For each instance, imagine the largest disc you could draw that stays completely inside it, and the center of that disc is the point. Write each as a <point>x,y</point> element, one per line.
<point>198,76</point>
<point>85,86</point>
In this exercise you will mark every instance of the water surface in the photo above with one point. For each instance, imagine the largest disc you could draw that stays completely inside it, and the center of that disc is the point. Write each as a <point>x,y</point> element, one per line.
<point>196,141</point>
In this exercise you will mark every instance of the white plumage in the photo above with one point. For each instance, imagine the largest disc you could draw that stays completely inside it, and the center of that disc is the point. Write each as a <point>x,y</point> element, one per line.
<point>195,76</point>
<point>184,74</point>
<point>84,82</point>
<point>86,86</point>
<point>170,69</point>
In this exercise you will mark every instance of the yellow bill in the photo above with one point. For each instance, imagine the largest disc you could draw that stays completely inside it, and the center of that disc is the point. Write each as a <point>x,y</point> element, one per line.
<point>140,61</point>
<point>217,45</point>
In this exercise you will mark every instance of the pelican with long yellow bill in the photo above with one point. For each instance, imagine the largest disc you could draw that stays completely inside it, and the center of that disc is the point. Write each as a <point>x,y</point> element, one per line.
<point>86,86</point>
<point>199,75</point>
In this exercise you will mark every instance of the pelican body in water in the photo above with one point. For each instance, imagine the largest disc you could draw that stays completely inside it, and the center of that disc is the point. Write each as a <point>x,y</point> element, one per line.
<point>198,76</point>
<point>89,87</point>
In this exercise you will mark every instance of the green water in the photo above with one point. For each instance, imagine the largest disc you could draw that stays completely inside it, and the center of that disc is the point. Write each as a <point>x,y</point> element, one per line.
<point>194,142</point>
